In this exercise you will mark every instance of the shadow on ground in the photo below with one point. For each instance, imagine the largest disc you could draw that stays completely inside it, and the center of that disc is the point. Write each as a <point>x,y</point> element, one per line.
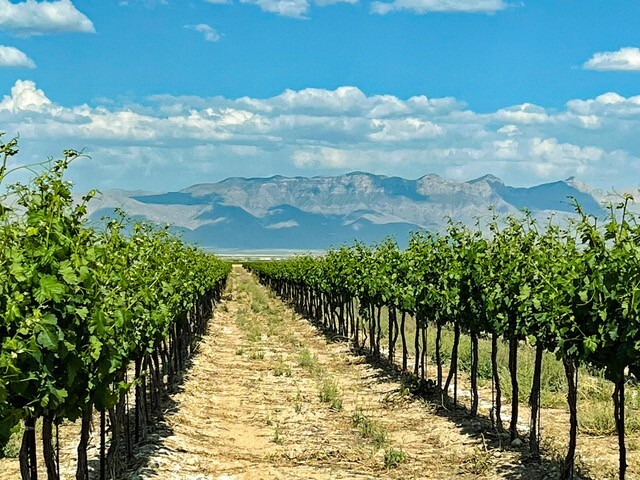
<point>478,427</point>
<point>139,464</point>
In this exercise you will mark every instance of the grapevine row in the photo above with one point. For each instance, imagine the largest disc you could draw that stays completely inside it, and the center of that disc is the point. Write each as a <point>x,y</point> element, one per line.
<point>88,315</point>
<point>573,291</point>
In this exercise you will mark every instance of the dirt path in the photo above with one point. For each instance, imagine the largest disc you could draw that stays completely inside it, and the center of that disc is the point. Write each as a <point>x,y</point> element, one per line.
<point>268,397</point>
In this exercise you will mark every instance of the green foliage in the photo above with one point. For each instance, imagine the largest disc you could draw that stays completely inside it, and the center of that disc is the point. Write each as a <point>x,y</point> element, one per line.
<point>393,457</point>
<point>575,290</point>
<point>572,292</point>
<point>78,305</point>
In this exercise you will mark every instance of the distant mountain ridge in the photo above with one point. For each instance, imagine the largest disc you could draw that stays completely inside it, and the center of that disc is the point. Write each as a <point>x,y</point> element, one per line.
<point>318,212</point>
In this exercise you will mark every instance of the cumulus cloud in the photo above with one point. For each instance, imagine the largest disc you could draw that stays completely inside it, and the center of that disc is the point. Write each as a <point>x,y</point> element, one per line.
<point>510,130</point>
<point>324,3</point>
<point>625,59</point>
<point>606,104</point>
<point>519,114</point>
<point>146,3</point>
<point>326,157</point>
<point>288,8</point>
<point>552,158</point>
<point>284,8</point>
<point>12,57</point>
<point>404,129</point>
<point>428,6</point>
<point>210,34</point>
<point>37,18</point>
<point>317,131</point>
<point>25,97</point>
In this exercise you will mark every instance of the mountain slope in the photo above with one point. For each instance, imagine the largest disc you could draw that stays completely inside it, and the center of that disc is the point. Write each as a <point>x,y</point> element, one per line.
<point>556,196</point>
<point>317,212</point>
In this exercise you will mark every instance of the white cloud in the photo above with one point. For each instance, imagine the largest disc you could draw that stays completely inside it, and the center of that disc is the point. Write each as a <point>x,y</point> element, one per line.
<point>427,6</point>
<point>522,114</point>
<point>317,131</point>
<point>147,3</point>
<point>25,97</point>
<point>287,8</point>
<point>510,130</point>
<point>325,157</point>
<point>12,57</point>
<point>610,98</point>
<point>606,105</point>
<point>625,59</point>
<point>506,148</point>
<point>210,34</point>
<point>324,3</point>
<point>37,18</point>
<point>344,99</point>
<point>404,130</point>
<point>563,153</point>
<point>284,8</point>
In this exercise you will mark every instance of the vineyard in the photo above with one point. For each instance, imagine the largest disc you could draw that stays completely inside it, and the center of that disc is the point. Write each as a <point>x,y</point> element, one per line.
<point>91,321</point>
<point>571,292</point>
<point>99,326</point>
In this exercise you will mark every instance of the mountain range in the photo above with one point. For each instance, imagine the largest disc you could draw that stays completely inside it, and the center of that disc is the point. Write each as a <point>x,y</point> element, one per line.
<point>319,212</point>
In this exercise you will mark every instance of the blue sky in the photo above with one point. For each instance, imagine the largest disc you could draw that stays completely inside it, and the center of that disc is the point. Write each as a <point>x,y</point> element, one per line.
<point>164,94</point>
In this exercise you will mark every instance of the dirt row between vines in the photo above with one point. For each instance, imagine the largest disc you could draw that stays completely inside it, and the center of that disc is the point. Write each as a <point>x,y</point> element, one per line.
<point>251,408</point>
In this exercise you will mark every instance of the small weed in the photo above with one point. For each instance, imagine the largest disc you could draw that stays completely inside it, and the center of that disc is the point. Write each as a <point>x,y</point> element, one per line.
<point>289,337</point>
<point>277,434</point>
<point>404,391</point>
<point>257,306</point>
<point>478,463</point>
<point>274,319</point>
<point>389,399</point>
<point>308,360</point>
<point>282,369</point>
<point>259,299</point>
<point>393,457</point>
<point>370,429</point>
<point>240,351</point>
<point>330,394</point>
<point>596,418</point>
<point>251,330</point>
<point>376,434</point>
<point>256,355</point>
<point>254,334</point>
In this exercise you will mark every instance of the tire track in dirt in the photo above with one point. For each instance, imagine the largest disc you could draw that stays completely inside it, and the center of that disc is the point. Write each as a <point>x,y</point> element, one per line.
<point>250,408</point>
